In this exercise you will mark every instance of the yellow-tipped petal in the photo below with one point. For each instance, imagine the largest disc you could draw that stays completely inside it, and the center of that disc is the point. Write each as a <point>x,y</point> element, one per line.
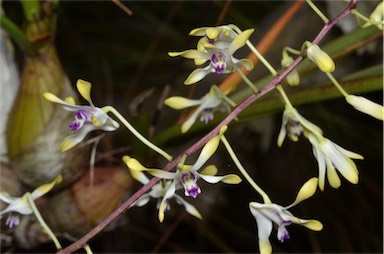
<point>314,225</point>
<point>43,189</point>
<point>198,31</point>
<point>240,40</point>
<point>178,102</point>
<point>135,164</point>
<point>366,106</point>
<point>197,75</point>
<point>307,190</point>
<point>333,178</point>
<point>231,179</point>
<point>161,211</point>
<point>265,247</point>
<point>53,98</point>
<point>212,32</point>
<point>210,170</point>
<point>70,100</point>
<point>67,144</point>
<point>84,88</point>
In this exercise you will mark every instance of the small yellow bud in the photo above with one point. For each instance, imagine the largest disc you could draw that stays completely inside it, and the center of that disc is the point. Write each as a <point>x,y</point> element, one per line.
<point>320,58</point>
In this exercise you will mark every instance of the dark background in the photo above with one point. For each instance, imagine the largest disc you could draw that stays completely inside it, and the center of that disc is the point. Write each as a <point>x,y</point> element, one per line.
<point>123,56</point>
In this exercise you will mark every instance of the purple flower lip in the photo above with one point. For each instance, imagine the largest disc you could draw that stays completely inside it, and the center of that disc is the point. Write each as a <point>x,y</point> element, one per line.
<point>81,116</point>
<point>218,61</point>
<point>189,182</point>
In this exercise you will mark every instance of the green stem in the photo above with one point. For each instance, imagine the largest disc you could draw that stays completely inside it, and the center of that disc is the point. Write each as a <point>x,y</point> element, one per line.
<point>337,84</point>
<point>264,195</point>
<point>247,81</point>
<point>262,59</point>
<point>318,12</point>
<point>136,133</point>
<point>361,16</point>
<point>16,33</point>
<point>44,225</point>
<point>290,50</point>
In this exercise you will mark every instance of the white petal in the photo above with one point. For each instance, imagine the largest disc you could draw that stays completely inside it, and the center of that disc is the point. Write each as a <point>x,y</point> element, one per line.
<point>264,228</point>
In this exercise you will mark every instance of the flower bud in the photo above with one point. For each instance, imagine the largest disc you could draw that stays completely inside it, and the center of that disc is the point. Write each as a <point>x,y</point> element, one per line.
<point>320,58</point>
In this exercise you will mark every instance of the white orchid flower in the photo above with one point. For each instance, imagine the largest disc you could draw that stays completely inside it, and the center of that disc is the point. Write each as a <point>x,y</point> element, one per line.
<point>163,192</point>
<point>221,60</point>
<point>186,176</point>
<point>87,118</point>
<point>293,125</point>
<point>21,205</point>
<point>332,157</point>
<point>212,101</point>
<point>268,214</point>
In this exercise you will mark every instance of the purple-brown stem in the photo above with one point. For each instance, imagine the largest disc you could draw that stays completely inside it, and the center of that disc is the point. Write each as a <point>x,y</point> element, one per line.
<point>251,99</point>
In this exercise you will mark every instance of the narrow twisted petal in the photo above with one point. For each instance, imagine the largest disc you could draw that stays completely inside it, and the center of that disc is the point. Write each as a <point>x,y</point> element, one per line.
<point>191,54</point>
<point>188,207</point>
<point>320,157</point>
<point>6,198</point>
<point>248,65</point>
<point>75,138</point>
<point>45,188</point>
<point>208,150</point>
<point>283,130</point>
<point>169,194</point>
<point>229,179</point>
<point>191,120</point>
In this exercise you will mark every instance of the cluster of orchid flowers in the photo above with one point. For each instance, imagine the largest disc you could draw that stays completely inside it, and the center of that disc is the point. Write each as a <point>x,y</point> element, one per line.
<point>216,46</point>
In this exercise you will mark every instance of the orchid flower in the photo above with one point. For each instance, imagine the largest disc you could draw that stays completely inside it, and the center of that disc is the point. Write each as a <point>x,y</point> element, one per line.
<point>329,155</point>
<point>332,157</point>
<point>268,214</point>
<point>220,36</point>
<point>21,205</point>
<point>159,191</point>
<point>214,100</point>
<point>186,176</point>
<point>221,60</point>
<point>293,125</point>
<point>87,118</point>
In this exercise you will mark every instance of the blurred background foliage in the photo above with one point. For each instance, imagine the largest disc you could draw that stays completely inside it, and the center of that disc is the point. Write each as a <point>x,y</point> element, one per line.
<point>125,57</point>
